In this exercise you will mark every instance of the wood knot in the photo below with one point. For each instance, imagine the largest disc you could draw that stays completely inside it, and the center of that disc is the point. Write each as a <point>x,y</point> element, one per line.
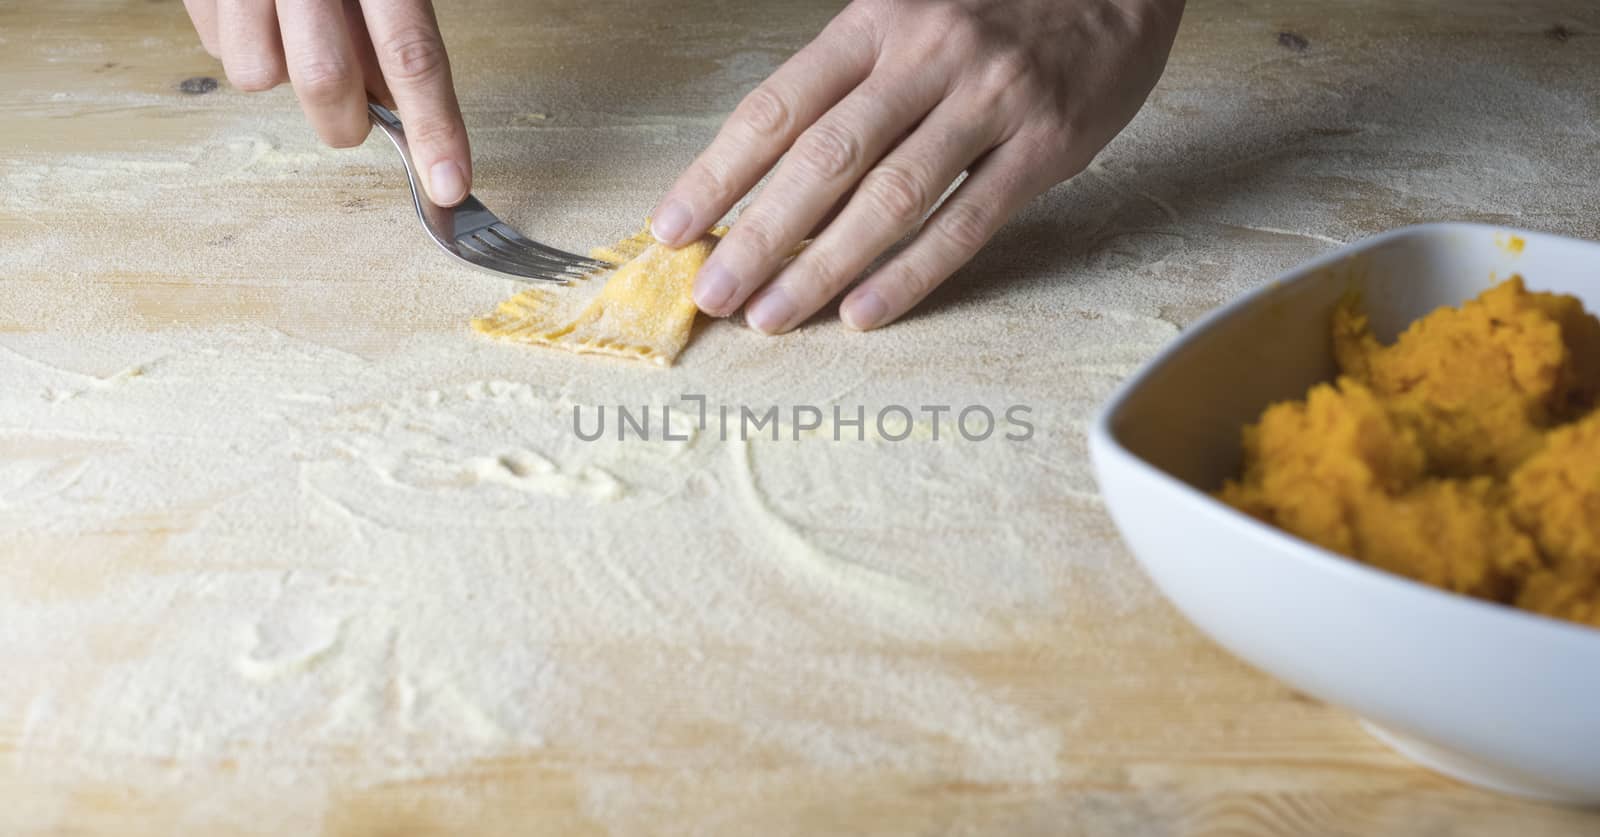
<point>197,85</point>
<point>1558,33</point>
<point>1293,40</point>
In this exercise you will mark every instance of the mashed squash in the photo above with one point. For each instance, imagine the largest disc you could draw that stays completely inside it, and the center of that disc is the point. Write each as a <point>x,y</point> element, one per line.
<point>1466,455</point>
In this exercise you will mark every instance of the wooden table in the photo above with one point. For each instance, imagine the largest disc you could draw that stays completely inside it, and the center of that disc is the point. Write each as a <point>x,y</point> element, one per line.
<point>1282,126</point>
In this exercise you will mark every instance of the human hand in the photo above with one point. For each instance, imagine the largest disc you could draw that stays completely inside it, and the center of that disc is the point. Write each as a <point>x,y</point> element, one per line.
<point>337,52</point>
<point>879,115</point>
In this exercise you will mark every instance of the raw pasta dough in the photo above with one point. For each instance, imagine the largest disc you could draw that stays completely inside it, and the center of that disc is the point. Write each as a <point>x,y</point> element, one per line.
<point>644,311</point>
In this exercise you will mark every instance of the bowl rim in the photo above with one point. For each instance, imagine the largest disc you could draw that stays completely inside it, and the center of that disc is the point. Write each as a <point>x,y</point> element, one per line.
<point>1103,440</point>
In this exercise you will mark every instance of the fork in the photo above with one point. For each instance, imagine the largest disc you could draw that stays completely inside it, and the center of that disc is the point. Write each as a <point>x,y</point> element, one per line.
<point>473,234</point>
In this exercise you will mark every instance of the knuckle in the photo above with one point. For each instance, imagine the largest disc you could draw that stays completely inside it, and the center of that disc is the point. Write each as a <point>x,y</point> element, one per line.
<point>914,282</point>
<point>820,275</point>
<point>898,194</point>
<point>1131,18</point>
<point>868,13</point>
<point>711,179</point>
<point>828,151</point>
<point>945,19</point>
<point>1008,70</point>
<point>766,112</point>
<point>965,225</point>
<point>758,234</point>
<point>942,31</point>
<point>416,55</point>
<point>326,82</point>
<point>433,131</point>
<point>1047,148</point>
<point>859,19</point>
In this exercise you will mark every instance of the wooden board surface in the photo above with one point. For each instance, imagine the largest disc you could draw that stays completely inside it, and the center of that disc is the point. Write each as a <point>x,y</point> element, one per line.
<point>1355,123</point>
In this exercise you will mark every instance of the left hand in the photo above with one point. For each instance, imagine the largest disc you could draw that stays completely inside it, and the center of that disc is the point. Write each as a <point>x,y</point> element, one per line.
<point>878,116</point>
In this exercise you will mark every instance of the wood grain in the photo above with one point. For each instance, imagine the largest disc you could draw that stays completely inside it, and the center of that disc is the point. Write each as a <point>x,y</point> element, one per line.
<point>1162,732</point>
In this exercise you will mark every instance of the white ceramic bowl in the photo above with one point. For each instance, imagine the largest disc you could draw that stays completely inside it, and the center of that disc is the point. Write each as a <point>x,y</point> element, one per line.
<point>1488,694</point>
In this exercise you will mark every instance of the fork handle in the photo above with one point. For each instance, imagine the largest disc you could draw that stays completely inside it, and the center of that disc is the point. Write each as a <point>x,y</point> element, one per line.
<point>390,125</point>
<point>430,212</point>
<point>384,118</point>
<point>444,224</point>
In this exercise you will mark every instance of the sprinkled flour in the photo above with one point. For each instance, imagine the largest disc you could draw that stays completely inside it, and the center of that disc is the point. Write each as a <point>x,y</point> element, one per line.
<point>269,510</point>
<point>367,545</point>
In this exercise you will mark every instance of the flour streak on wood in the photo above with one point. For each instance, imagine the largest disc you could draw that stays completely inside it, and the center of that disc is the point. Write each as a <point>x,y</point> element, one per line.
<point>140,190</point>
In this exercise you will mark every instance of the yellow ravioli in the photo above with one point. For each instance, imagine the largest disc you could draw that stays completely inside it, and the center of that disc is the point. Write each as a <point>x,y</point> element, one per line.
<point>644,311</point>
<point>629,248</point>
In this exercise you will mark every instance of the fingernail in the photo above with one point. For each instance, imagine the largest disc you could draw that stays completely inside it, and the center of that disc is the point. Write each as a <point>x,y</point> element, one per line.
<point>671,221</point>
<point>448,184</point>
<point>771,312</point>
<point>714,288</point>
<point>865,311</point>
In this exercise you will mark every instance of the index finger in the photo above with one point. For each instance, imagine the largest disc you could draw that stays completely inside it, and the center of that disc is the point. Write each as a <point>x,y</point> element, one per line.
<point>762,127</point>
<point>405,35</point>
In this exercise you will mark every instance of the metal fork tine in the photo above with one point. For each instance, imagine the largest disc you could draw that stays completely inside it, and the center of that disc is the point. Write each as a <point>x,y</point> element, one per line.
<point>510,234</point>
<point>481,256</point>
<point>519,240</point>
<point>491,239</point>
<point>492,245</point>
<point>486,242</point>
<point>518,252</point>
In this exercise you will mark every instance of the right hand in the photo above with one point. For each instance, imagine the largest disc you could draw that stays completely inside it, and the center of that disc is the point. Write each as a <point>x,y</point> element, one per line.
<point>338,52</point>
